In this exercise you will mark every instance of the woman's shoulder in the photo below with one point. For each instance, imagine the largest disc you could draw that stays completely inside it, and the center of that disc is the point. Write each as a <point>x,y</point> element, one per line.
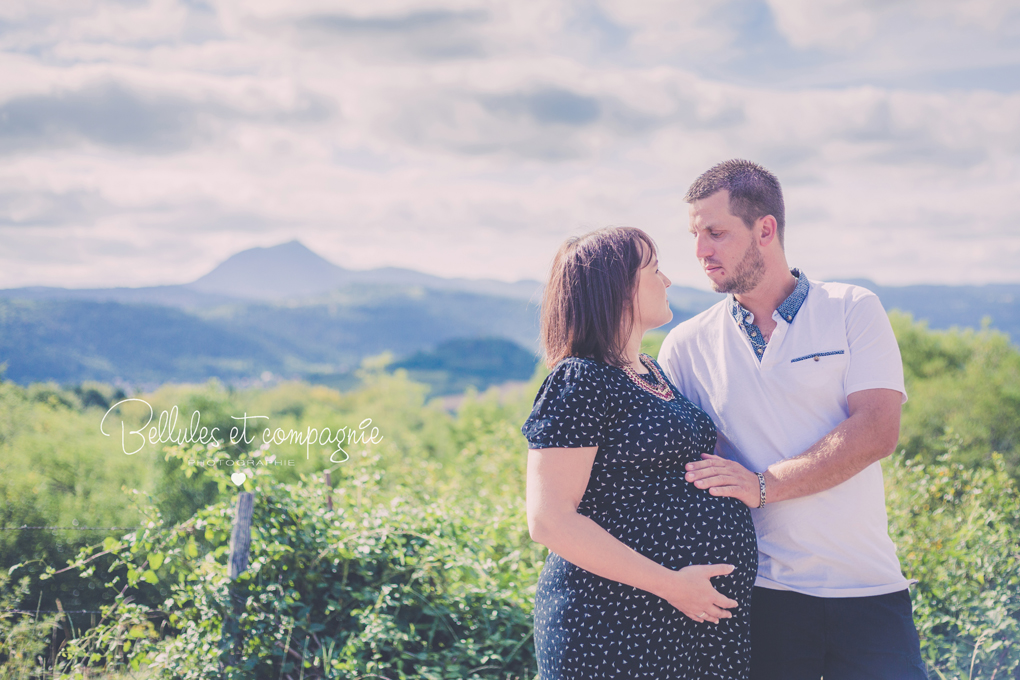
<point>576,374</point>
<point>580,369</point>
<point>570,407</point>
<point>582,363</point>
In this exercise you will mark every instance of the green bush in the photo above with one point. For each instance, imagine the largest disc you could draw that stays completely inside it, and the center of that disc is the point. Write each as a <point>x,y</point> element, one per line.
<point>957,531</point>
<point>23,638</point>
<point>56,469</point>
<point>424,567</point>
<point>392,582</point>
<point>963,382</point>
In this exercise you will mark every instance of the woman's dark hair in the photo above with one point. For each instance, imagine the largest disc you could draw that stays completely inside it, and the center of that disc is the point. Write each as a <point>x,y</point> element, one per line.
<point>587,308</point>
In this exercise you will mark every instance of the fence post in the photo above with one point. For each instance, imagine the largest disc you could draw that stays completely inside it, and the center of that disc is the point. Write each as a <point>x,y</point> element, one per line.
<point>240,538</point>
<point>240,545</point>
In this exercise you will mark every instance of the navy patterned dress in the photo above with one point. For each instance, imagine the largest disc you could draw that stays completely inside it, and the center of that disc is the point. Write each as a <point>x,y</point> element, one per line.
<point>591,627</point>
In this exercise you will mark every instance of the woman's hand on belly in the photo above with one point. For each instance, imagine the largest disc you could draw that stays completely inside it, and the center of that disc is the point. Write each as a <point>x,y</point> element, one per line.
<point>690,590</point>
<point>557,479</point>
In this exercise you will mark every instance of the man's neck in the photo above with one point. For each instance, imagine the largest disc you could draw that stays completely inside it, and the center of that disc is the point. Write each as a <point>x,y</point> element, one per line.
<point>766,297</point>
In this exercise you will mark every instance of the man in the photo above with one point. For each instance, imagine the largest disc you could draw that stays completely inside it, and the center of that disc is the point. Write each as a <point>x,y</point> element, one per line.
<point>805,383</point>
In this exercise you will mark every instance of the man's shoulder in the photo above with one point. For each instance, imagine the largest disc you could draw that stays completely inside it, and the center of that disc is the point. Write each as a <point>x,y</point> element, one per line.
<point>837,291</point>
<point>698,325</point>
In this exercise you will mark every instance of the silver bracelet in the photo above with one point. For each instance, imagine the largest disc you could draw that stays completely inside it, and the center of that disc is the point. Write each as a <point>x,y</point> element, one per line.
<point>761,489</point>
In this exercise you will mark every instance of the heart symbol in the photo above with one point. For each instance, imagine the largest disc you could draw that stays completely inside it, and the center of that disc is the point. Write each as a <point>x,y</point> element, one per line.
<point>270,459</point>
<point>238,478</point>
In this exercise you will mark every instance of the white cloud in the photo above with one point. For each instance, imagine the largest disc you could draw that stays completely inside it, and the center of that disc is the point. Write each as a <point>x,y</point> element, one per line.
<point>660,28</point>
<point>148,147</point>
<point>995,17</point>
<point>903,38</point>
<point>828,24</point>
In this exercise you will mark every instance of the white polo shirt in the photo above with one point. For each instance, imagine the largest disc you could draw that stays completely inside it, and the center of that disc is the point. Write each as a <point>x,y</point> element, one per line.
<point>830,544</point>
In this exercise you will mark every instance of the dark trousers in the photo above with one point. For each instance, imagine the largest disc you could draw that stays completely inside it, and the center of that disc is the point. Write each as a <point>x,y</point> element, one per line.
<point>802,637</point>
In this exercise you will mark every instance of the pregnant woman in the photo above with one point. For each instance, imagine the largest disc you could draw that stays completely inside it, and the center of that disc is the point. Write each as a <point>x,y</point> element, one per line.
<point>647,576</point>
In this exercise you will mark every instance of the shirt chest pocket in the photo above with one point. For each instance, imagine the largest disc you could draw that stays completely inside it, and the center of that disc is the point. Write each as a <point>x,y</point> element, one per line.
<point>824,368</point>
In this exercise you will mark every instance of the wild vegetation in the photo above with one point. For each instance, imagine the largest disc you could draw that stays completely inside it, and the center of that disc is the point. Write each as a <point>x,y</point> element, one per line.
<point>414,562</point>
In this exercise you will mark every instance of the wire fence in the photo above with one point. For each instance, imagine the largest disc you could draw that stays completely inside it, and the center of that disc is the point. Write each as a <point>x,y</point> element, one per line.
<point>28,528</point>
<point>25,527</point>
<point>52,611</point>
<point>240,543</point>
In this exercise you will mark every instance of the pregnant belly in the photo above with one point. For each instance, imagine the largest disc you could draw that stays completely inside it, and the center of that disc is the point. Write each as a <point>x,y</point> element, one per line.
<point>677,525</point>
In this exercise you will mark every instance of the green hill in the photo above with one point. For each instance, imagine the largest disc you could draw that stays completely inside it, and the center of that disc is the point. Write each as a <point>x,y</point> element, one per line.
<point>321,339</point>
<point>479,362</point>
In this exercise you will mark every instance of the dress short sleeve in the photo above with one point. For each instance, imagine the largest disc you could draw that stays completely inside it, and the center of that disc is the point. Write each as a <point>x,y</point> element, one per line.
<point>569,410</point>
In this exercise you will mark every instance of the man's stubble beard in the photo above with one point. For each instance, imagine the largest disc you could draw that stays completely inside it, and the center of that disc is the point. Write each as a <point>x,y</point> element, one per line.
<point>750,271</point>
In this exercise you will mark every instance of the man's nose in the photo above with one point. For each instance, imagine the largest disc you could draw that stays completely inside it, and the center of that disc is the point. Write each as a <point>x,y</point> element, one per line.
<point>702,248</point>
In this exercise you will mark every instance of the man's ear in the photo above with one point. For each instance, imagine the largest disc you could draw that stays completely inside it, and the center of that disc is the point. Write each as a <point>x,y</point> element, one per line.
<point>766,230</point>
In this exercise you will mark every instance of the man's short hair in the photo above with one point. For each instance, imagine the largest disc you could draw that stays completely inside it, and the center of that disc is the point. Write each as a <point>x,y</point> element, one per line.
<point>754,192</point>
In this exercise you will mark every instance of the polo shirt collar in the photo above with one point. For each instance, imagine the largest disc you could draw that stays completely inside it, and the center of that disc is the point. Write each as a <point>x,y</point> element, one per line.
<point>791,305</point>
<point>787,309</point>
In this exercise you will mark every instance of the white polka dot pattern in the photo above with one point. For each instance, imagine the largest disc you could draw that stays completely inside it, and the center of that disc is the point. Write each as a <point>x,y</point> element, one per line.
<point>590,627</point>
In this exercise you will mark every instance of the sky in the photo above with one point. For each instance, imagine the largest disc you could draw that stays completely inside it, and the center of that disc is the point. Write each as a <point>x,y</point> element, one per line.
<point>142,143</point>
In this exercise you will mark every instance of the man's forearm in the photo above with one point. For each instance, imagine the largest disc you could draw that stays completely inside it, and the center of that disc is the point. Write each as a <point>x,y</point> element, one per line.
<point>835,458</point>
<point>869,434</point>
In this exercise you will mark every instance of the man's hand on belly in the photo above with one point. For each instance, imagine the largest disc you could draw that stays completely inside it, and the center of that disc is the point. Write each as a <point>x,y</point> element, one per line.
<point>724,477</point>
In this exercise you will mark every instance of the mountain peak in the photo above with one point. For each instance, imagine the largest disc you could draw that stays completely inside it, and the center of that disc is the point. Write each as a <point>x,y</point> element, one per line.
<point>277,272</point>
